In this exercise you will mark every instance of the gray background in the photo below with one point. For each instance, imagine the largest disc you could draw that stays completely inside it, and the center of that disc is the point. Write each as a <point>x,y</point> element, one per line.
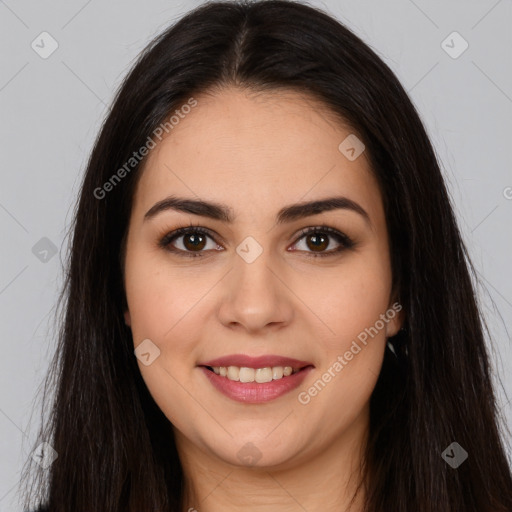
<point>51,110</point>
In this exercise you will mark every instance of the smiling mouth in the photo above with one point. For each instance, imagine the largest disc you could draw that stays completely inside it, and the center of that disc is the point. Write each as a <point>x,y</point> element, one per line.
<point>259,375</point>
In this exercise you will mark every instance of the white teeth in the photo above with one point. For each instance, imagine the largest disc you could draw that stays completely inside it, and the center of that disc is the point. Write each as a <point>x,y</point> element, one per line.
<point>277,372</point>
<point>260,375</point>
<point>263,375</point>
<point>233,373</point>
<point>244,374</point>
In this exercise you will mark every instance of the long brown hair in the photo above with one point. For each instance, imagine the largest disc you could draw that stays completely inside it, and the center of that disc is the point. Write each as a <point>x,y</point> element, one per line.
<point>116,450</point>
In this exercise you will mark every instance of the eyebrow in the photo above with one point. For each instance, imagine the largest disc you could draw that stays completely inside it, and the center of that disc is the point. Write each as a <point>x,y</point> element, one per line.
<point>224,213</point>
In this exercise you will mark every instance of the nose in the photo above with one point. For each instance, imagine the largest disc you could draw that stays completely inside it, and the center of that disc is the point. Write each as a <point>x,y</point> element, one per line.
<point>256,297</point>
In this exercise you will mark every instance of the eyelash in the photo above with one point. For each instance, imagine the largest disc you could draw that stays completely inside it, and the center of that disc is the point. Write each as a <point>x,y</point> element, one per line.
<point>344,241</point>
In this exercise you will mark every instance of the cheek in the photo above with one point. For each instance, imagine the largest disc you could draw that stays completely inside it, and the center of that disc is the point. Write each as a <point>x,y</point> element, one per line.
<point>353,301</point>
<point>168,305</point>
<point>158,298</point>
<point>349,298</point>
<point>162,305</point>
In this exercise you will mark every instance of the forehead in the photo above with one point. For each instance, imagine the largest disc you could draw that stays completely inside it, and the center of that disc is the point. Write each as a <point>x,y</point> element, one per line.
<point>251,150</point>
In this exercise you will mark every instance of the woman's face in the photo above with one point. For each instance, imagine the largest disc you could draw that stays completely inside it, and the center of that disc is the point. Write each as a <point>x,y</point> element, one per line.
<point>256,285</point>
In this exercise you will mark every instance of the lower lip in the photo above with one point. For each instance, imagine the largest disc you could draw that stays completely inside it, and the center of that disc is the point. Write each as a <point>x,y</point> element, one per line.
<point>255,392</point>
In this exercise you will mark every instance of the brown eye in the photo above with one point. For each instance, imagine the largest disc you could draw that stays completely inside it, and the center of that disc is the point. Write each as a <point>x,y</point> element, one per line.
<point>191,241</point>
<point>318,239</point>
<point>194,241</point>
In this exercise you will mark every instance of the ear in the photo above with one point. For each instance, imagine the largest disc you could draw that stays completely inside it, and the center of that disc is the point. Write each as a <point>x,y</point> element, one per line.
<point>127,318</point>
<point>396,316</point>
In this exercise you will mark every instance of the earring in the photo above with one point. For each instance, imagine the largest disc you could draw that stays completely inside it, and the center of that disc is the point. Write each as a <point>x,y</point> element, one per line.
<point>391,347</point>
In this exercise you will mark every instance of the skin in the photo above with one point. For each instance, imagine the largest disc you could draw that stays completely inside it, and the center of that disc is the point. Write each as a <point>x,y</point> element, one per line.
<point>256,153</point>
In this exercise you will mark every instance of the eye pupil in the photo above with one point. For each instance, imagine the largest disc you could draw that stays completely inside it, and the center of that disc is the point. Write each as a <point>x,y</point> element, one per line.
<point>320,241</point>
<point>197,241</point>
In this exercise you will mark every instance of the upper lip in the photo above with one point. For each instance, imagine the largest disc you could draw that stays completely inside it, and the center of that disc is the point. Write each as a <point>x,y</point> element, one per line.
<point>246,361</point>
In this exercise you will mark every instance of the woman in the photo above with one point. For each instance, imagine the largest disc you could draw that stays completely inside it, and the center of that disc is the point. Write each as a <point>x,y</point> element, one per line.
<point>268,302</point>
